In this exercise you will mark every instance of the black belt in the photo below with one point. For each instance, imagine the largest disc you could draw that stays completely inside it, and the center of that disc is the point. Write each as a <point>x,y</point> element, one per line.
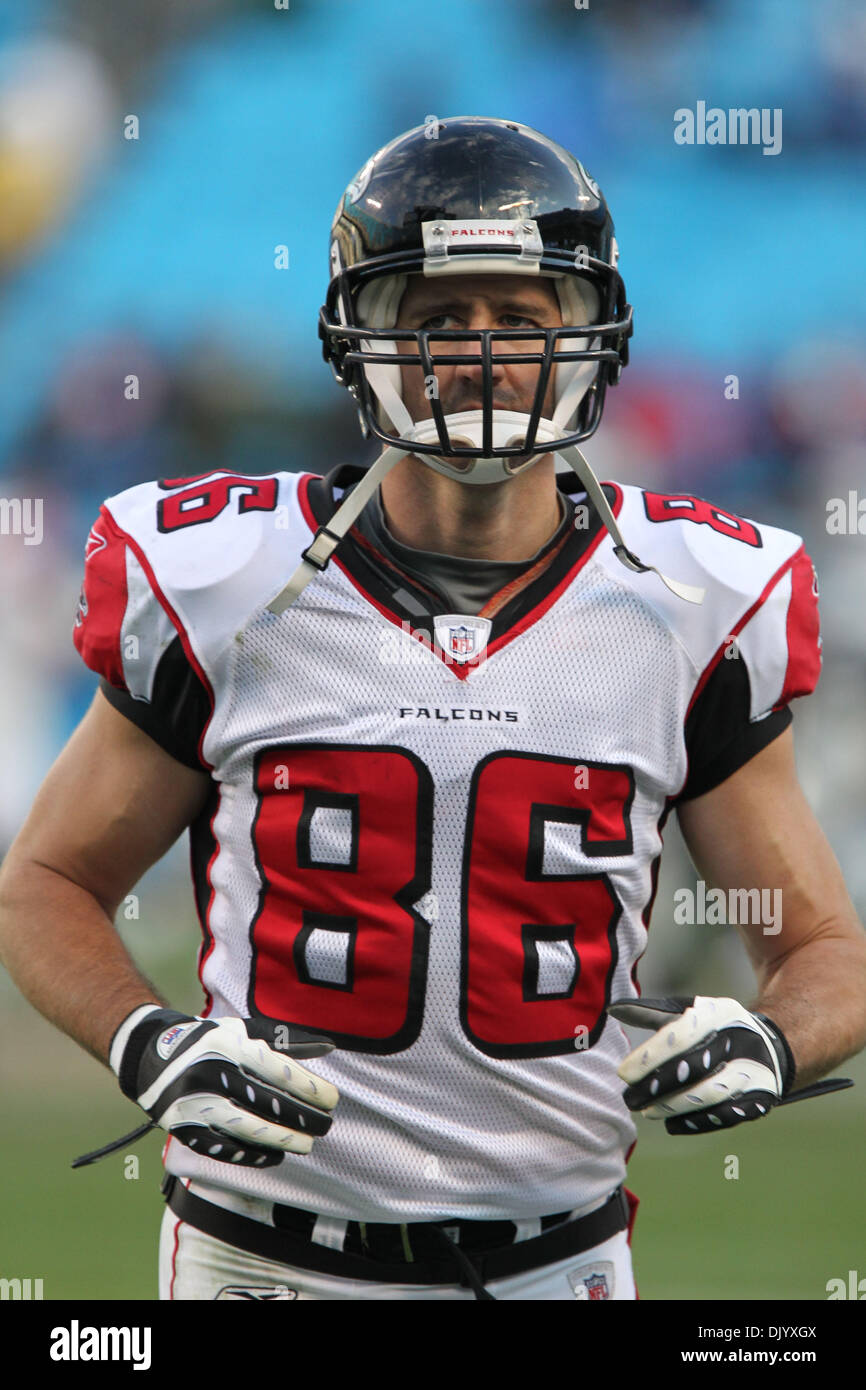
<point>372,1249</point>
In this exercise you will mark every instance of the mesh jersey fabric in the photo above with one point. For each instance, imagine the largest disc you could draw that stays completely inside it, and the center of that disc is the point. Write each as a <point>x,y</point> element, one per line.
<point>450,871</point>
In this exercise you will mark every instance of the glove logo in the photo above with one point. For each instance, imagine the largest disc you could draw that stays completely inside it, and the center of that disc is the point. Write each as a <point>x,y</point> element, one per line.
<point>172,1036</point>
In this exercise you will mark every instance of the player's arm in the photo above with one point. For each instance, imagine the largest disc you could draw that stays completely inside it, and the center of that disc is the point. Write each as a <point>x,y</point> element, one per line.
<point>714,1062</point>
<point>129,781</point>
<point>756,830</point>
<point>111,806</point>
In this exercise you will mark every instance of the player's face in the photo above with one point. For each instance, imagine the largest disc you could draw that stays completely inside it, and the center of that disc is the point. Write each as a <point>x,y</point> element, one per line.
<point>473,302</point>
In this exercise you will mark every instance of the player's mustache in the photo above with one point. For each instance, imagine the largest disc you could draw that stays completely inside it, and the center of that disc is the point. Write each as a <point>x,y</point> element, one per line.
<point>469,397</point>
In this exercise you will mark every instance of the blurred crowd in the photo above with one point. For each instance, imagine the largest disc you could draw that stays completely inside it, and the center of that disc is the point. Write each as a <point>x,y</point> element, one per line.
<point>143,250</point>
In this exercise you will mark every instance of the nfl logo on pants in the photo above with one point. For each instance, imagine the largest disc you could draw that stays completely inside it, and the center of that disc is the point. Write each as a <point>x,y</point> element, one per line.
<point>592,1283</point>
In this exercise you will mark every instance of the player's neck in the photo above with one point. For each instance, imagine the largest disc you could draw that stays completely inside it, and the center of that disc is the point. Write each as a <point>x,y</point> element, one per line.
<point>507,521</point>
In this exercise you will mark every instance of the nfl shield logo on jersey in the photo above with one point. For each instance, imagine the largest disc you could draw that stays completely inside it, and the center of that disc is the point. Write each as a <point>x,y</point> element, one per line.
<point>462,636</point>
<point>592,1283</point>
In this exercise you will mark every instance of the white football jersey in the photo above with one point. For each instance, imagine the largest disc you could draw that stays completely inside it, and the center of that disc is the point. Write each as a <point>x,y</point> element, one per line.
<point>440,853</point>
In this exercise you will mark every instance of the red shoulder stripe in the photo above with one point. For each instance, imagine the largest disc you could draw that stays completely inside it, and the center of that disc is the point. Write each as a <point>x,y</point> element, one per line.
<point>803,631</point>
<point>103,601</point>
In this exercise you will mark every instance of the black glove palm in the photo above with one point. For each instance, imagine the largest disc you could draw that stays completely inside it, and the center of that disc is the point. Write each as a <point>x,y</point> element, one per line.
<point>231,1089</point>
<point>711,1064</point>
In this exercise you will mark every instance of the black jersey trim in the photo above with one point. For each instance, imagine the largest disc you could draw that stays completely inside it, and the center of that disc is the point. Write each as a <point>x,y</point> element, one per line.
<point>720,736</point>
<point>178,711</point>
<point>203,850</point>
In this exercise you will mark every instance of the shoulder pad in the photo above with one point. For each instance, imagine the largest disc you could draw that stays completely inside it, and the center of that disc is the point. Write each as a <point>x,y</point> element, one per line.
<point>760,590</point>
<point>188,557</point>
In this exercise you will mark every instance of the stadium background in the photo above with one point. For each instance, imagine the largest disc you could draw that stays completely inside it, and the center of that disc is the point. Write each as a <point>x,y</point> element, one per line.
<point>155,256</point>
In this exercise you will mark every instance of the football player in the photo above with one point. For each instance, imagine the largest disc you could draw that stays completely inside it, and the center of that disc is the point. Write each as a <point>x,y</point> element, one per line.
<point>425,724</point>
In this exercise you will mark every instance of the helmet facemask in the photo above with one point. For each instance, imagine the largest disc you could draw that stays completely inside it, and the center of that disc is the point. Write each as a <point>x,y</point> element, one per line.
<point>378,306</point>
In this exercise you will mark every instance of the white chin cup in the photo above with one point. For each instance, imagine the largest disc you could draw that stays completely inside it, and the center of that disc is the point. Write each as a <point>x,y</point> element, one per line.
<point>466,429</point>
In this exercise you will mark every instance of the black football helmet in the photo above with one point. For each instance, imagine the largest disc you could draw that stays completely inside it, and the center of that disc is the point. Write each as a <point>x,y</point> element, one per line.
<point>475,195</point>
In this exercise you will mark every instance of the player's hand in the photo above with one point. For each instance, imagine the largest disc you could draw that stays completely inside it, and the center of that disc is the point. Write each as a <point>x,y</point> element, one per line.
<point>231,1089</point>
<point>711,1064</point>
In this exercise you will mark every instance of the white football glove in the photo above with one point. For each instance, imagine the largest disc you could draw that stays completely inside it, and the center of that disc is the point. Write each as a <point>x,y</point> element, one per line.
<point>231,1088</point>
<point>711,1064</point>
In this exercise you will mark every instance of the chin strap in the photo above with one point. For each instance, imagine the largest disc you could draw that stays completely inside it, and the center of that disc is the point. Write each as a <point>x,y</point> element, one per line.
<point>327,538</point>
<point>574,458</point>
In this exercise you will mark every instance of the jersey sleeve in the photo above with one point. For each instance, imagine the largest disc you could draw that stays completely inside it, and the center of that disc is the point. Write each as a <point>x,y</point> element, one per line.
<point>742,700</point>
<point>125,631</point>
<point>780,641</point>
<point>720,735</point>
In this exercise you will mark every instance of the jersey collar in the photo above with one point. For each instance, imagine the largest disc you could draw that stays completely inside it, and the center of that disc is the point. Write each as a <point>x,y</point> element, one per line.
<point>403,600</point>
